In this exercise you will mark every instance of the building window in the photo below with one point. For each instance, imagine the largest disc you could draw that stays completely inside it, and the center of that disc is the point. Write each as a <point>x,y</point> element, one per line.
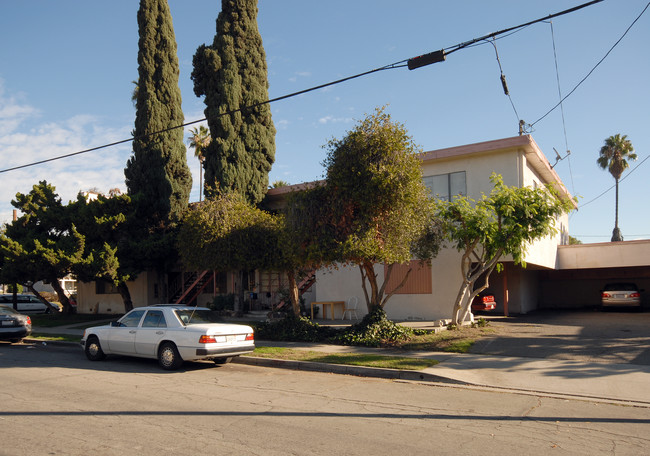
<point>103,287</point>
<point>446,186</point>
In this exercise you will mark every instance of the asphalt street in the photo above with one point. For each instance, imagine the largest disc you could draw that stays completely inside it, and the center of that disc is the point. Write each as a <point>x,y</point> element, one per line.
<point>56,402</point>
<point>603,356</point>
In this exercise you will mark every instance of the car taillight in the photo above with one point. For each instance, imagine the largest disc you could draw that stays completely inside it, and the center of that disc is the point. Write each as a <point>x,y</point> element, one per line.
<point>250,336</point>
<point>207,339</point>
<point>635,295</point>
<point>29,321</point>
<point>605,295</point>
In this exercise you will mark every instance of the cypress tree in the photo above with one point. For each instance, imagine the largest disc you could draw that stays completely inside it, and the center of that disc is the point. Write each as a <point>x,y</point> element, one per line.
<point>157,175</point>
<point>232,74</point>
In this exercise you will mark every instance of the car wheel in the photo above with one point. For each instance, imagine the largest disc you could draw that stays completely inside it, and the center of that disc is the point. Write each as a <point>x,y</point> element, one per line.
<point>94,350</point>
<point>223,360</point>
<point>168,356</point>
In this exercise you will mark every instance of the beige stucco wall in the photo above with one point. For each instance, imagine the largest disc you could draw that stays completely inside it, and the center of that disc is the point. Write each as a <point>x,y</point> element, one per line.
<point>604,255</point>
<point>141,291</point>
<point>342,283</point>
<point>478,169</point>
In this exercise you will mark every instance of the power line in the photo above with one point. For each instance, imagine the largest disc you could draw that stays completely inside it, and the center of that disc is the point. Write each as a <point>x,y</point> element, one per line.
<point>619,181</point>
<point>412,63</point>
<point>460,46</point>
<point>595,66</point>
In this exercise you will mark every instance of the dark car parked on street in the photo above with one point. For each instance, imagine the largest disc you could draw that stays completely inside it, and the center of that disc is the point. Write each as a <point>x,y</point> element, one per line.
<point>13,325</point>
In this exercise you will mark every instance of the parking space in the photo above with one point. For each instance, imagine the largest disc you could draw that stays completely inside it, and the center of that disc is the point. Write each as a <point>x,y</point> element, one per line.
<point>590,336</point>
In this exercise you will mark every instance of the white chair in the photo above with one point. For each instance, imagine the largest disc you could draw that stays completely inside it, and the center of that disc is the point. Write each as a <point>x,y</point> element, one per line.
<point>351,308</point>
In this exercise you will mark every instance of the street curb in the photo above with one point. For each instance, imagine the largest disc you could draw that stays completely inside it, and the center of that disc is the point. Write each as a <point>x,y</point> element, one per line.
<point>360,371</point>
<point>50,342</point>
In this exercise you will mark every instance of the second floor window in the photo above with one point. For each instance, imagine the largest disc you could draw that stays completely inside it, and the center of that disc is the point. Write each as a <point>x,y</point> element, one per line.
<point>446,186</point>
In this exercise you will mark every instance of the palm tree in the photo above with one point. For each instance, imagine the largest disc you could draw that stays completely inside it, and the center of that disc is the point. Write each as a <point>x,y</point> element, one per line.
<point>200,139</point>
<point>613,156</point>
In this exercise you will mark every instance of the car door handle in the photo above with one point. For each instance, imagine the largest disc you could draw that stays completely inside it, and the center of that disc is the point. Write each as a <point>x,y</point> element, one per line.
<point>160,332</point>
<point>132,332</point>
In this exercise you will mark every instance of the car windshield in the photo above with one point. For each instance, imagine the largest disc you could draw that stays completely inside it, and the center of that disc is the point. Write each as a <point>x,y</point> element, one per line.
<point>189,317</point>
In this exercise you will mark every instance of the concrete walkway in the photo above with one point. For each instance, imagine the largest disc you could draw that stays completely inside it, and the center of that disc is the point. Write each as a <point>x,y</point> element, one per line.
<point>617,378</point>
<point>629,383</point>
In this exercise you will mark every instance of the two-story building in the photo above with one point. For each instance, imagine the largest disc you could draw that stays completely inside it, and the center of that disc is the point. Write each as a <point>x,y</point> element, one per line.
<point>556,275</point>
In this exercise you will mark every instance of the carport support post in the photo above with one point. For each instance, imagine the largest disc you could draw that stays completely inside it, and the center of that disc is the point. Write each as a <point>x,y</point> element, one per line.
<point>505,291</point>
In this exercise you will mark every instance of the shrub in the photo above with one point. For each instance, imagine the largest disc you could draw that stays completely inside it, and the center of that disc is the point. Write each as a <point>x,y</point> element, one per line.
<point>374,330</point>
<point>480,323</point>
<point>293,329</point>
<point>223,302</point>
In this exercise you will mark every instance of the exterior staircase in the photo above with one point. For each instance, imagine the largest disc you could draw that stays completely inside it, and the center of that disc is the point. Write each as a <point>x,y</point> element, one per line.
<point>303,286</point>
<point>193,285</point>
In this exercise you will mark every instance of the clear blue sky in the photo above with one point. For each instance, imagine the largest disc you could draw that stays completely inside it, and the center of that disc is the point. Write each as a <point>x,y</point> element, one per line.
<point>67,67</point>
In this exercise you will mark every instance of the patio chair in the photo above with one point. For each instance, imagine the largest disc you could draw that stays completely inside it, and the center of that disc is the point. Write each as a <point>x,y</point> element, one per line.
<point>351,308</point>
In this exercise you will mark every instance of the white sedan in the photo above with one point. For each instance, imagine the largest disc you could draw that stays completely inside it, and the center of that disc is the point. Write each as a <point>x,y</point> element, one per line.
<point>170,333</point>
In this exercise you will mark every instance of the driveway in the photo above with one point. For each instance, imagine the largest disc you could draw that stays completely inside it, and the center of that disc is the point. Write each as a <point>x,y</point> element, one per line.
<point>586,336</point>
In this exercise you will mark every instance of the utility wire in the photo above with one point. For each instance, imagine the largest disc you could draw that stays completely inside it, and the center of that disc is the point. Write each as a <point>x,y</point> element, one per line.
<point>400,64</point>
<point>559,94</point>
<point>460,46</point>
<point>40,162</point>
<point>503,80</point>
<point>619,181</point>
<point>595,66</point>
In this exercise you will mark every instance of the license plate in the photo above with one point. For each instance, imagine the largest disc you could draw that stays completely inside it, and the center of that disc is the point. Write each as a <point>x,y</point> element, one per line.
<point>7,323</point>
<point>231,339</point>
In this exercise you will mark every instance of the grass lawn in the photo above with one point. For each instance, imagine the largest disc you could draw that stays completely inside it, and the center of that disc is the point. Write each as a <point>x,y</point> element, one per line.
<point>455,341</point>
<point>355,359</point>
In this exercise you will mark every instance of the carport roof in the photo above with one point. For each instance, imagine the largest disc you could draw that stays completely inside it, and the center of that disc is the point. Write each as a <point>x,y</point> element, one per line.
<point>604,255</point>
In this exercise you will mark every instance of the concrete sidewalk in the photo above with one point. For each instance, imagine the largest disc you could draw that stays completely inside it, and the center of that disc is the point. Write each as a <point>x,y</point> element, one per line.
<point>604,381</point>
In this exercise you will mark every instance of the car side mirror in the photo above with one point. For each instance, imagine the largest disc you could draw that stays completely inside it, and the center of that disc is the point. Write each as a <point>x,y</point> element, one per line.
<point>116,323</point>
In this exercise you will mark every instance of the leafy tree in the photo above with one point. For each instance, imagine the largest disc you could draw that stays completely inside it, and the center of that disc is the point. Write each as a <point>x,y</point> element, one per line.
<point>232,75</point>
<point>200,139</point>
<point>375,208</point>
<point>574,241</point>
<point>103,223</point>
<point>42,244</point>
<point>502,223</point>
<point>157,175</point>
<point>279,183</point>
<point>158,178</point>
<point>613,157</point>
<point>227,233</point>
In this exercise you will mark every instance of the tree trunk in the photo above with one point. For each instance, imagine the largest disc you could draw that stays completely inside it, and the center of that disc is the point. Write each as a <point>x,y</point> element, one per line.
<point>293,293</point>
<point>459,304</point>
<point>45,301</point>
<point>200,180</point>
<point>616,234</point>
<point>238,291</point>
<point>15,297</point>
<point>123,289</point>
<point>63,298</point>
<point>368,274</point>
